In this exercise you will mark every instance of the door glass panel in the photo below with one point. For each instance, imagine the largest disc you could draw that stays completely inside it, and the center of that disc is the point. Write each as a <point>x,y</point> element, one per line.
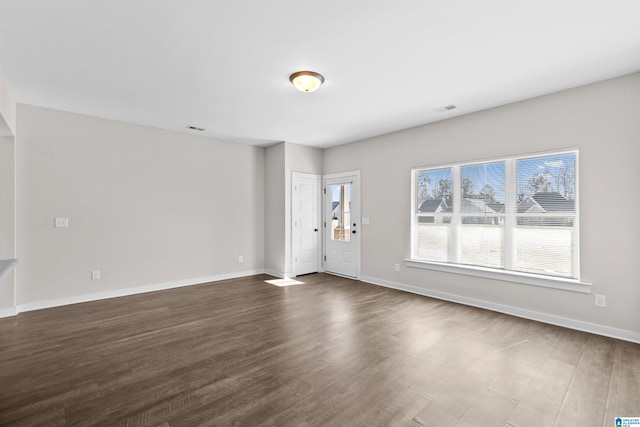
<point>341,211</point>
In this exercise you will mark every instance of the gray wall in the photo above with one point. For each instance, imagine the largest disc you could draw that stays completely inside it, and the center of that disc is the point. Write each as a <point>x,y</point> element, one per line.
<point>602,120</point>
<point>7,108</point>
<point>281,160</point>
<point>148,206</point>
<point>145,206</point>
<point>274,189</point>
<point>299,158</point>
<point>7,193</point>
<point>7,221</point>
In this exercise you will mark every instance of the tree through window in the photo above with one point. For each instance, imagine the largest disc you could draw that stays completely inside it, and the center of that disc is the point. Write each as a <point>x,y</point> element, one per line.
<point>518,213</point>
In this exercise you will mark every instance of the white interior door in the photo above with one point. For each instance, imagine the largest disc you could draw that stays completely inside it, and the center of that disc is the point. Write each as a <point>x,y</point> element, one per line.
<point>305,223</point>
<point>341,224</point>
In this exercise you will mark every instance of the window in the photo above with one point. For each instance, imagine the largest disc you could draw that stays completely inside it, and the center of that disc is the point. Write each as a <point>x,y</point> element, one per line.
<point>341,211</point>
<point>517,214</point>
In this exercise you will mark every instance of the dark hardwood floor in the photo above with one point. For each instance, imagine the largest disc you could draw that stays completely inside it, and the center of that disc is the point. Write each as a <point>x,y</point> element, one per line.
<point>330,352</point>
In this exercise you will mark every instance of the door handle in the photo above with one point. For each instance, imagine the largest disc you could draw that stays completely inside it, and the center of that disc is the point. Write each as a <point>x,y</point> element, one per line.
<point>315,229</point>
<point>353,231</point>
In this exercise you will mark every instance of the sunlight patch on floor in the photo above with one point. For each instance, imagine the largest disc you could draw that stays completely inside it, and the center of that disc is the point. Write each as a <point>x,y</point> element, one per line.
<point>284,282</point>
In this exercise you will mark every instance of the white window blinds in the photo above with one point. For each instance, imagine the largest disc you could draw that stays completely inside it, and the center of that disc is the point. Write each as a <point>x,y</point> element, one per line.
<point>517,213</point>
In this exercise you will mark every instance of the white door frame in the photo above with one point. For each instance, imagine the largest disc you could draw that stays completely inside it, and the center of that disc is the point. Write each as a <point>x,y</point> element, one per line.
<point>355,214</point>
<point>319,240</point>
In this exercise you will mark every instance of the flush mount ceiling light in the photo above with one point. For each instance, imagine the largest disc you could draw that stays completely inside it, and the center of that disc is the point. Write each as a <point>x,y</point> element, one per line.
<point>306,81</point>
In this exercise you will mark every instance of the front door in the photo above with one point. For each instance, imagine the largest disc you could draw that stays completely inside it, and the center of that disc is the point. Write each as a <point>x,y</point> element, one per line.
<point>341,224</point>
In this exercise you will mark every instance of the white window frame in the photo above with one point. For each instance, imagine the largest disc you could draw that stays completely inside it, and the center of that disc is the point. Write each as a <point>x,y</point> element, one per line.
<point>510,216</point>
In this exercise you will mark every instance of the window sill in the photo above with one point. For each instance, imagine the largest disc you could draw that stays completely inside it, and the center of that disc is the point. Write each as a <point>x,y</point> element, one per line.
<point>507,276</point>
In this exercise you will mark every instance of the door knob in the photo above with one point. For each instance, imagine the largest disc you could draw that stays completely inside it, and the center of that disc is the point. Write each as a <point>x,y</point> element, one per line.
<point>315,229</point>
<point>353,231</point>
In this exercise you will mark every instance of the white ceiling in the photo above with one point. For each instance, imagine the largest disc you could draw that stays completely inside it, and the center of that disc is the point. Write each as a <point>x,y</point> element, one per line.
<point>223,65</point>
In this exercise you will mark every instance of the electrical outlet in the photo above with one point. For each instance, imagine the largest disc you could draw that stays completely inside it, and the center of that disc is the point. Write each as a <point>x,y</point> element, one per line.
<point>240,258</point>
<point>600,300</point>
<point>95,275</point>
<point>61,223</point>
<point>397,267</point>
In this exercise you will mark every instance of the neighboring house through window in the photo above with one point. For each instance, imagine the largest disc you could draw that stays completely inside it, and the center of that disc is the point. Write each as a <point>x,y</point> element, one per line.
<point>518,214</point>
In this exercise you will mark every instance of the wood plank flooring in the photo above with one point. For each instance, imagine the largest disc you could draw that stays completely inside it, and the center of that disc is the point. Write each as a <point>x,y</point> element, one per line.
<point>330,352</point>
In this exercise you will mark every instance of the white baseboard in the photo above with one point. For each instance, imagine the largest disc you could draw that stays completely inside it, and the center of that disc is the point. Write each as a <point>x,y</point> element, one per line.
<point>514,311</point>
<point>7,312</point>
<point>278,274</point>
<point>579,325</point>
<point>57,302</point>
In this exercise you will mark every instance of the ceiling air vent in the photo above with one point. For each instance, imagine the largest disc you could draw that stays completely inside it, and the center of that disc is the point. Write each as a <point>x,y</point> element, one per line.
<point>195,128</point>
<point>443,109</point>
